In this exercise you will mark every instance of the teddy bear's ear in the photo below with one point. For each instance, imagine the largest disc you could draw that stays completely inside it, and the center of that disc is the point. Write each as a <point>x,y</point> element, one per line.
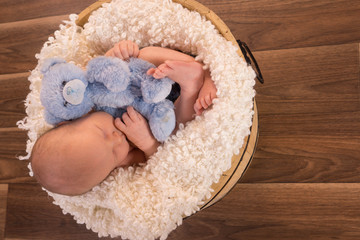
<point>48,63</point>
<point>51,118</point>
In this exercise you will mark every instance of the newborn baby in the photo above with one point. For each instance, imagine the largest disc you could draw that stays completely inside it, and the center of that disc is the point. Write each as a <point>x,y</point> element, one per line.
<point>77,155</point>
<point>74,157</point>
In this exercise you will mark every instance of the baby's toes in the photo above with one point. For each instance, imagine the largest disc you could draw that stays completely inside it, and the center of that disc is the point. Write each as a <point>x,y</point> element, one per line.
<point>213,94</point>
<point>166,70</point>
<point>158,74</point>
<point>208,99</point>
<point>197,107</point>
<point>161,67</point>
<point>204,103</point>
<point>151,71</point>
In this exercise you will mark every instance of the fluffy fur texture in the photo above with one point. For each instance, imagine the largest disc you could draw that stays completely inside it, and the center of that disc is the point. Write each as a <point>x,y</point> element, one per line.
<point>109,84</point>
<point>150,201</point>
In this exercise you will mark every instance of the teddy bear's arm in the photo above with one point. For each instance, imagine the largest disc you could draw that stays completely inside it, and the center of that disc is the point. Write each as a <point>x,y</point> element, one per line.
<point>114,73</point>
<point>52,119</point>
<point>152,90</point>
<point>155,90</point>
<point>104,98</point>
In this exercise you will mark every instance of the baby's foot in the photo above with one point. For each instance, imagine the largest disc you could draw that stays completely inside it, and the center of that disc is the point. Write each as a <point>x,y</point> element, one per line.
<point>206,95</point>
<point>189,75</point>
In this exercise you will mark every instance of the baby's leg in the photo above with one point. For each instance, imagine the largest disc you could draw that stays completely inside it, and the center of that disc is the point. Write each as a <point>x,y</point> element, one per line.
<point>181,69</point>
<point>190,77</point>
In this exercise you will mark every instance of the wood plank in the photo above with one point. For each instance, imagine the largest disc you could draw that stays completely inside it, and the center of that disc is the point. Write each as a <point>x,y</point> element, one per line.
<point>309,80</point>
<point>12,145</point>
<point>31,215</point>
<point>20,41</point>
<point>13,91</point>
<point>279,24</point>
<point>293,27</point>
<point>19,10</point>
<point>3,199</point>
<point>250,211</point>
<point>279,211</point>
<point>309,116</point>
<point>316,159</point>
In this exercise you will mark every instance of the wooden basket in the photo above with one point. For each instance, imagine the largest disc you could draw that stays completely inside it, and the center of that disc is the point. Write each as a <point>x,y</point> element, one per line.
<point>240,162</point>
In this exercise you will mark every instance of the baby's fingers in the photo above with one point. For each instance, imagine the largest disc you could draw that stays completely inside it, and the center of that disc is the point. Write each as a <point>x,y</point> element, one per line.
<point>110,53</point>
<point>133,114</point>
<point>124,49</point>
<point>120,125</point>
<point>126,119</point>
<point>135,50</point>
<point>130,48</point>
<point>117,52</point>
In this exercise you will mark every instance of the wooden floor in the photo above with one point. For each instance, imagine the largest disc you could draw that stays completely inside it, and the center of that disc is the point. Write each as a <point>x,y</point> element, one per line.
<point>304,180</point>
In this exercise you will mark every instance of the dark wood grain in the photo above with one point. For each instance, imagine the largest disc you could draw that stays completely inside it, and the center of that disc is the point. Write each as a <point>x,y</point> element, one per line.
<point>3,200</point>
<point>316,159</point>
<point>315,80</point>
<point>13,91</point>
<point>250,211</point>
<point>309,116</point>
<point>279,24</point>
<point>309,124</point>
<point>263,24</point>
<point>20,10</point>
<point>279,211</point>
<point>13,145</point>
<point>31,215</point>
<point>20,41</point>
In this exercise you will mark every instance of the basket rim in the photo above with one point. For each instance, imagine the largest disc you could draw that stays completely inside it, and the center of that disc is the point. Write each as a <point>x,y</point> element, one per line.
<point>240,162</point>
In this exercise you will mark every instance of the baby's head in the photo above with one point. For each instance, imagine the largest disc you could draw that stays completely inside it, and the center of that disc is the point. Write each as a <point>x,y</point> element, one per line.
<point>74,157</point>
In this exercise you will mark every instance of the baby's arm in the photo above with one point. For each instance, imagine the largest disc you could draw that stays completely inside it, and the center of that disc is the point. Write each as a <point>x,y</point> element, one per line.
<point>137,130</point>
<point>155,55</point>
<point>158,55</point>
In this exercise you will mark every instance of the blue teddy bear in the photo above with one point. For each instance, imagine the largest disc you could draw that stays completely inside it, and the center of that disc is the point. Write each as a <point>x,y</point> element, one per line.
<point>108,84</point>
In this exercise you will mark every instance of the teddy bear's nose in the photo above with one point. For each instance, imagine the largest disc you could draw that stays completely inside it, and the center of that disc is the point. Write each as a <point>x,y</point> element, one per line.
<point>73,91</point>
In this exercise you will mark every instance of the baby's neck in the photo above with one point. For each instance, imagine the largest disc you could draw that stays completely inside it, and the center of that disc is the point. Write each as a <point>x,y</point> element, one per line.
<point>132,146</point>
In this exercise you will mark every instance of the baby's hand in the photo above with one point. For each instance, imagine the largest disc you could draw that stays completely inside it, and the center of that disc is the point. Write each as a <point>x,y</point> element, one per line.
<point>124,50</point>
<point>137,130</point>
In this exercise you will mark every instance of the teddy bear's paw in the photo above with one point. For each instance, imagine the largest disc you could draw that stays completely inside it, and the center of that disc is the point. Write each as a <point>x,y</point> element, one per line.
<point>155,90</point>
<point>102,97</point>
<point>52,119</point>
<point>114,73</point>
<point>162,120</point>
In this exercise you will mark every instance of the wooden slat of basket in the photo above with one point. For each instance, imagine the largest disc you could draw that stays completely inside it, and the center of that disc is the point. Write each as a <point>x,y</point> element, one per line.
<point>239,164</point>
<point>85,14</point>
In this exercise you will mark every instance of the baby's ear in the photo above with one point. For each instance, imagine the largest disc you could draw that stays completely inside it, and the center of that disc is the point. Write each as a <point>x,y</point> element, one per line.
<point>49,62</point>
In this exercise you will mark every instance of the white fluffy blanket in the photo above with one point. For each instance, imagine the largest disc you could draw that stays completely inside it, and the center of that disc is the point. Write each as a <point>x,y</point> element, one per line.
<point>150,201</point>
